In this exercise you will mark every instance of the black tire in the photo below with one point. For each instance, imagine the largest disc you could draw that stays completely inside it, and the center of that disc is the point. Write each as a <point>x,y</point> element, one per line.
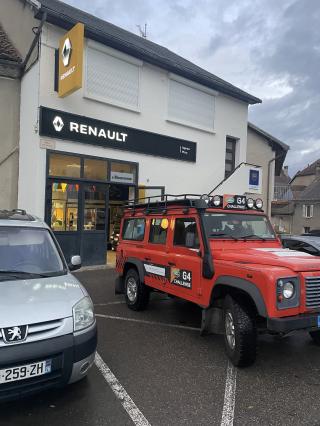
<point>315,336</point>
<point>243,351</point>
<point>136,300</point>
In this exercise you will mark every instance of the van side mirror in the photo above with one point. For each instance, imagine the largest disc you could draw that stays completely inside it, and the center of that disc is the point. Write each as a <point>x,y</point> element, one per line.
<point>75,263</point>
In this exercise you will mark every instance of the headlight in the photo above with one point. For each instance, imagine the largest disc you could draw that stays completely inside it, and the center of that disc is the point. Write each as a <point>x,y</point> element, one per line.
<point>83,314</point>
<point>288,293</point>
<point>288,290</point>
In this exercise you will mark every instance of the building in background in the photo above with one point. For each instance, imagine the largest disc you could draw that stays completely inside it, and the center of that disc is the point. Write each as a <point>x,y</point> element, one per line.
<point>296,205</point>
<point>268,152</point>
<point>10,73</point>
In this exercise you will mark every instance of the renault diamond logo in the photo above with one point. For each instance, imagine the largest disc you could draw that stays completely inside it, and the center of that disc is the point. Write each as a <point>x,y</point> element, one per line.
<point>58,123</point>
<point>66,52</point>
<point>15,334</point>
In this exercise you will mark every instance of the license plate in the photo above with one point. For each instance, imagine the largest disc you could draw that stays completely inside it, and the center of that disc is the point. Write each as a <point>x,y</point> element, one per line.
<point>27,371</point>
<point>318,321</point>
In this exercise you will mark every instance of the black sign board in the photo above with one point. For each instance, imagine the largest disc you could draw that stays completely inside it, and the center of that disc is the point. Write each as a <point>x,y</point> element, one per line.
<point>63,125</point>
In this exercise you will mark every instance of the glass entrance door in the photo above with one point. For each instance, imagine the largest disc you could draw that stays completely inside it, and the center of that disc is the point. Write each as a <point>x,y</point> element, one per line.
<point>63,201</point>
<point>94,224</point>
<point>77,215</point>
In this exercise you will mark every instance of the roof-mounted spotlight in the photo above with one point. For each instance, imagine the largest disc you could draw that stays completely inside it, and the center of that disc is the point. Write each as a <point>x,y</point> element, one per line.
<point>205,197</point>
<point>259,203</point>
<point>250,203</point>
<point>217,201</point>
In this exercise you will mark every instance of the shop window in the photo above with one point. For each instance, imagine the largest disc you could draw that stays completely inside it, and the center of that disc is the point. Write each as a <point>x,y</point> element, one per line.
<point>95,169</point>
<point>158,231</point>
<point>133,229</point>
<point>230,159</point>
<point>64,214</point>
<point>155,193</point>
<point>191,106</point>
<point>64,165</point>
<point>94,208</point>
<point>186,233</point>
<point>112,79</point>
<point>123,173</point>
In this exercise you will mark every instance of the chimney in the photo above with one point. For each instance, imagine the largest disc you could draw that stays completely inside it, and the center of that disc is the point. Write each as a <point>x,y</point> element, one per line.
<point>286,171</point>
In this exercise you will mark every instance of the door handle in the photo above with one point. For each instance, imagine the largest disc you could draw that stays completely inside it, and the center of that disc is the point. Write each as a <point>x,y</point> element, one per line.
<point>139,245</point>
<point>171,264</point>
<point>147,258</point>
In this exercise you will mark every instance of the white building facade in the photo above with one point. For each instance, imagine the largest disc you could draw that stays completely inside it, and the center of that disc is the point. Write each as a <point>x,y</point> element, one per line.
<point>138,125</point>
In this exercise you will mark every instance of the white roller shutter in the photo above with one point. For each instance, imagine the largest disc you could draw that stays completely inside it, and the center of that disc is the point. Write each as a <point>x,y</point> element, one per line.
<point>112,80</point>
<point>190,106</point>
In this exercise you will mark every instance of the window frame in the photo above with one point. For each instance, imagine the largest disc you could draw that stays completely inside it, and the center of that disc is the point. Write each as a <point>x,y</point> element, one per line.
<point>150,230</point>
<point>183,246</point>
<point>134,219</point>
<point>232,151</point>
<point>305,211</point>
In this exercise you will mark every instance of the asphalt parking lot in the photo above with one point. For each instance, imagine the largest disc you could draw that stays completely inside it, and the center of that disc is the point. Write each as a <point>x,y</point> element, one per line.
<point>155,368</point>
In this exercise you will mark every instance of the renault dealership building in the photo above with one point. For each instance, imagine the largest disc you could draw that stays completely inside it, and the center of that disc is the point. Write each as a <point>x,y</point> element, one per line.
<point>106,115</point>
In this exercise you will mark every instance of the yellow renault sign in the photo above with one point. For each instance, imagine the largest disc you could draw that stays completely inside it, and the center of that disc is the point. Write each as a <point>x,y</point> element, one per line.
<point>71,61</point>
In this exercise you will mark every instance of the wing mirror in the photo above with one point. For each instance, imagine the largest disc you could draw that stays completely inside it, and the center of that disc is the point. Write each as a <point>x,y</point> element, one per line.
<point>75,263</point>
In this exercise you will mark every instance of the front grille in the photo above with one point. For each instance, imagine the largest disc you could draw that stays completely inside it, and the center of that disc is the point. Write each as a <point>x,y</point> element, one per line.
<point>40,330</point>
<point>312,292</point>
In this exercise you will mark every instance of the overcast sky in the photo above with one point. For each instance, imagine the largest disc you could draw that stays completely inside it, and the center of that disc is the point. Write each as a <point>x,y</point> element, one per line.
<point>269,48</point>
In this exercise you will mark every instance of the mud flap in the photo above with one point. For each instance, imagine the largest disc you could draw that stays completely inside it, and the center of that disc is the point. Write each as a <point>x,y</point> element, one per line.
<point>119,286</point>
<point>212,321</point>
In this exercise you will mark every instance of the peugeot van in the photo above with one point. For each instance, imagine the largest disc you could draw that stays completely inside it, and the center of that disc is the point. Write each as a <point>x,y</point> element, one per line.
<point>48,333</point>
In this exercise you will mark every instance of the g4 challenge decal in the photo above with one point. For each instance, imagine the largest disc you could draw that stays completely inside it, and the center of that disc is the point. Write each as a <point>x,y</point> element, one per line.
<point>181,277</point>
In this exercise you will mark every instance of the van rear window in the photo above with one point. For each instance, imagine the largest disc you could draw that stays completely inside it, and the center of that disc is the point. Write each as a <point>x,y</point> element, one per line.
<point>133,229</point>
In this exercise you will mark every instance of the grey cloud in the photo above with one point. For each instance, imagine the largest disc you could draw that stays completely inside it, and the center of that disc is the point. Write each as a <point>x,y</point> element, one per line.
<point>270,48</point>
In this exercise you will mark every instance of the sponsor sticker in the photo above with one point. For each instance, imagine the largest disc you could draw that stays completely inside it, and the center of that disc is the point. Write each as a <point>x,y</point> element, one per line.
<point>284,252</point>
<point>155,270</point>
<point>181,277</point>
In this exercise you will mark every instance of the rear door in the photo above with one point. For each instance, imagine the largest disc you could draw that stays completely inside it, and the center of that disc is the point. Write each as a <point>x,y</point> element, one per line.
<point>184,258</point>
<point>155,254</point>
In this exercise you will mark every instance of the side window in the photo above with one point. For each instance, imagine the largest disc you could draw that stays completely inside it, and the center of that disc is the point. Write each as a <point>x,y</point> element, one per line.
<point>186,233</point>
<point>158,231</point>
<point>133,229</point>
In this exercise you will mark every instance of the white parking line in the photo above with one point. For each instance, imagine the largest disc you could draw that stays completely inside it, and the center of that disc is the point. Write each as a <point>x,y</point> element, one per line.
<point>162,324</point>
<point>136,416</point>
<point>229,396</point>
<point>231,379</point>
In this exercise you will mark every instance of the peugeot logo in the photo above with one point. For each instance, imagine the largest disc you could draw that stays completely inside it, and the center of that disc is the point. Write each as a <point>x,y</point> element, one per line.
<point>66,52</point>
<point>58,123</point>
<point>15,334</point>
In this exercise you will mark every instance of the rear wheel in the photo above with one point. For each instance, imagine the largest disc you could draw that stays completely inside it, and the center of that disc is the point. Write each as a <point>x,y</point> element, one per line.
<point>240,333</point>
<point>136,293</point>
<point>315,336</point>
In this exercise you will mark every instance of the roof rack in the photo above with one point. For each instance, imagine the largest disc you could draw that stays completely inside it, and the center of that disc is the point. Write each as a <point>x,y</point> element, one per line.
<point>162,202</point>
<point>16,214</point>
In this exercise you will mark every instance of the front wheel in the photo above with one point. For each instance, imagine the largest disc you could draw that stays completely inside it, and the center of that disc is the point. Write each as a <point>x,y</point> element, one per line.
<point>136,293</point>
<point>240,333</point>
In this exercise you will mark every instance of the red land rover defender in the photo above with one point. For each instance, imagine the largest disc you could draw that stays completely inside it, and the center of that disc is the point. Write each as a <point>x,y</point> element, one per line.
<point>222,254</point>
